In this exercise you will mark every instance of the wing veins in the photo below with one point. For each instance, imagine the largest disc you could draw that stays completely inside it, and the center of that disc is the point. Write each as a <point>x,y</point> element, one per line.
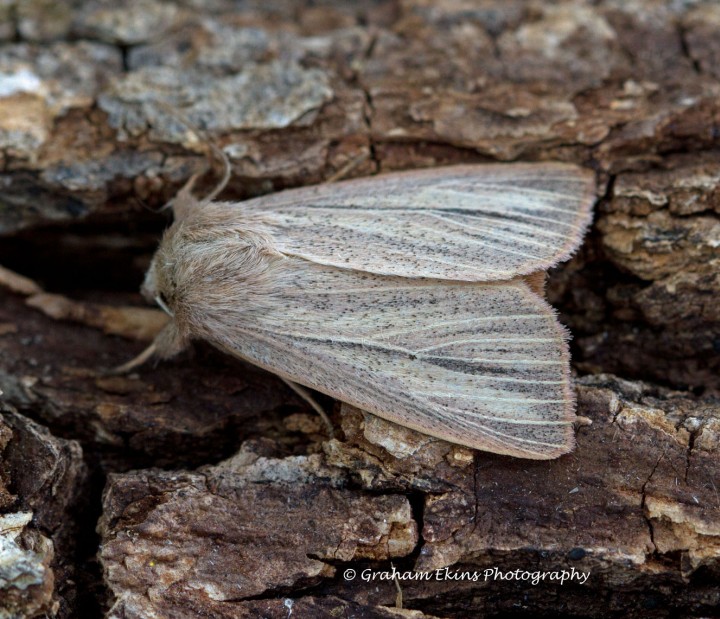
<point>511,187</point>
<point>484,243</point>
<point>405,351</point>
<point>483,399</point>
<point>533,229</point>
<point>446,323</point>
<point>512,217</point>
<point>499,340</point>
<point>494,232</point>
<point>305,291</point>
<point>496,434</point>
<point>439,191</point>
<point>434,258</point>
<point>517,422</point>
<point>503,438</point>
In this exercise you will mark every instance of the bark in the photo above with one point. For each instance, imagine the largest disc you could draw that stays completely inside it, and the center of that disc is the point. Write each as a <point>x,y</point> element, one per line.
<point>223,496</point>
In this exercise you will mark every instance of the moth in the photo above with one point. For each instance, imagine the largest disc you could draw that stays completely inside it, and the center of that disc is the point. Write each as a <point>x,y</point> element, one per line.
<point>416,296</point>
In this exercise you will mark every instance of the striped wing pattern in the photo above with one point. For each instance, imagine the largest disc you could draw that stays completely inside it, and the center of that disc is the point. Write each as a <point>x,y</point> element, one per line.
<point>401,294</point>
<point>465,223</point>
<point>483,365</point>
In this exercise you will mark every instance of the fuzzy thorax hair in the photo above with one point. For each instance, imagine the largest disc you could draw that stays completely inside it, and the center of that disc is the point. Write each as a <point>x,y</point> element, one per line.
<point>211,269</point>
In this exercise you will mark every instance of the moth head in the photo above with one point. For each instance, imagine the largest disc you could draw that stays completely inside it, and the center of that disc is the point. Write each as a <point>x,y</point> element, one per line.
<point>160,284</point>
<point>158,287</point>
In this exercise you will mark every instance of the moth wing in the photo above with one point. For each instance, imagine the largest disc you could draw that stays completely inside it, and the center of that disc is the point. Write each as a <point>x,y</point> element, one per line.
<point>482,365</point>
<point>470,222</point>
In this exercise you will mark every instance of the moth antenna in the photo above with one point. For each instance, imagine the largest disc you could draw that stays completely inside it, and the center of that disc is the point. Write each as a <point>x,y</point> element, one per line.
<point>347,168</point>
<point>209,143</point>
<point>184,201</point>
<point>144,205</point>
<point>227,171</point>
<point>307,396</point>
<point>134,363</point>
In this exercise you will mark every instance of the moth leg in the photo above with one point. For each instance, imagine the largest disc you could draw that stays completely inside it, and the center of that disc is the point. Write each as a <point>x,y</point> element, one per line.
<point>306,395</point>
<point>166,344</point>
<point>135,362</point>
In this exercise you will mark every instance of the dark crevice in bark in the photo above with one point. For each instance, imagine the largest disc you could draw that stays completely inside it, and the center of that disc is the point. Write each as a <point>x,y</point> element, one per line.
<point>685,47</point>
<point>368,110</point>
<point>651,531</point>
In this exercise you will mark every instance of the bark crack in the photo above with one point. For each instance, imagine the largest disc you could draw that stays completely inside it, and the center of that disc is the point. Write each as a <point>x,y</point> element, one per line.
<point>476,501</point>
<point>688,453</point>
<point>651,531</point>
<point>685,47</point>
<point>368,108</point>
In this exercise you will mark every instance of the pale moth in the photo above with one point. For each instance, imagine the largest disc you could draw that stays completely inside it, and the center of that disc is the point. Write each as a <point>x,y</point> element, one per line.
<point>415,296</point>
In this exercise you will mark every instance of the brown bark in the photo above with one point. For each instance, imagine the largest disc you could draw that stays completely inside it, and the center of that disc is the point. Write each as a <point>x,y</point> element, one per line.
<point>223,496</point>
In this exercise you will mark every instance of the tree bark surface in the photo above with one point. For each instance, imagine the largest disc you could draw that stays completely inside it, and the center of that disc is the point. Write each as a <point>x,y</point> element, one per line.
<point>203,486</point>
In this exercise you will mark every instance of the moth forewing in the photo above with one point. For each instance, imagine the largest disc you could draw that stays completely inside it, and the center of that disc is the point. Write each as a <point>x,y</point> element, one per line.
<point>439,329</point>
<point>465,223</point>
<point>482,365</point>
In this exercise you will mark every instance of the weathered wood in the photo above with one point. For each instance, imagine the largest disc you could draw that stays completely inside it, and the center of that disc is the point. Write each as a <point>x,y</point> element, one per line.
<point>293,91</point>
<point>41,480</point>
